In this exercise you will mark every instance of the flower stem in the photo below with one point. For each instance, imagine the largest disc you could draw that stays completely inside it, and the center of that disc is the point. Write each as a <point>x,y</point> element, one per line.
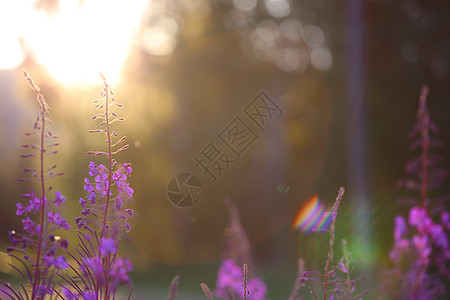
<point>332,234</point>
<point>42,210</point>
<point>108,190</point>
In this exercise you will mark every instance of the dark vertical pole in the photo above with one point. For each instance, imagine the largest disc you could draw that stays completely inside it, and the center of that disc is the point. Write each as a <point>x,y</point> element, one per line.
<point>357,186</point>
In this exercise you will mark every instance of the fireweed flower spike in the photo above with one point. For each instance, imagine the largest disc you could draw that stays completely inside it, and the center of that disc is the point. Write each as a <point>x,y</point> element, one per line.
<point>336,280</point>
<point>230,276</point>
<point>35,250</point>
<point>104,216</point>
<point>421,252</point>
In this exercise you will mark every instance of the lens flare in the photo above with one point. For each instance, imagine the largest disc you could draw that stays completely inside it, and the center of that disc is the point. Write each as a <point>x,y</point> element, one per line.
<point>312,216</point>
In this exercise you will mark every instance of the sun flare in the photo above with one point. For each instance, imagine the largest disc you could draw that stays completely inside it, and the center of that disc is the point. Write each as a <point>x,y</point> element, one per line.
<point>75,41</point>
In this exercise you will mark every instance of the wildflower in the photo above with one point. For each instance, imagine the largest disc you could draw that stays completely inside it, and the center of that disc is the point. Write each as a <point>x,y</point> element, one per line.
<point>108,246</point>
<point>82,202</point>
<point>257,289</point>
<point>120,269</point>
<point>20,209</point>
<point>89,296</point>
<point>92,169</point>
<point>88,186</point>
<point>127,227</point>
<point>59,199</point>
<point>35,204</point>
<point>418,217</point>
<point>445,219</point>
<point>93,265</point>
<point>229,276</point>
<point>86,212</point>
<point>60,263</point>
<point>400,227</point>
<point>102,271</point>
<point>31,227</point>
<point>439,236</point>
<point>423,249</point>
<point>57,220</point>
<point>343,266</point>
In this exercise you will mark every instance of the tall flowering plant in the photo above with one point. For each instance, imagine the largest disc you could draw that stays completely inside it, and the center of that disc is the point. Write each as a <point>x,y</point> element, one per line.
<point>35,249</point>
<point>336,279</point>
<point>421,253</point>
<point>232,280</point>
<point>104,216</point>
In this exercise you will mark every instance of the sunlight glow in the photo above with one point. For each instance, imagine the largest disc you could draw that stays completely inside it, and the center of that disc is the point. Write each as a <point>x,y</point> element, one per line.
<point>11,53</point>
<point>79,39</point>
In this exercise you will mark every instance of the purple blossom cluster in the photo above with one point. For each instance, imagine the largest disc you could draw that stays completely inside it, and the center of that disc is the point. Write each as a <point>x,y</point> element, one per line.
<point>230,279</point>
<point>97,192</point>
<point>422,244</point>
<point>33,229</point>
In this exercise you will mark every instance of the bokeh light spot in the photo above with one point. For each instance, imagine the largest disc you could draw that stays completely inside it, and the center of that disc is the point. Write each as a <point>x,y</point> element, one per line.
<point>278,8</point>
<point>313,36</point>
<point>321,58</point>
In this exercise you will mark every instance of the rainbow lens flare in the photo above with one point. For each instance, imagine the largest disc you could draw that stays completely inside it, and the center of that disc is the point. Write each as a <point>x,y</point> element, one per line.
<point>312,216</point>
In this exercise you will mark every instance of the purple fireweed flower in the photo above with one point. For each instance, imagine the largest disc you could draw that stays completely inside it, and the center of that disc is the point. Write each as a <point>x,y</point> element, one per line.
<point>64,244</point>
<point>29,195</point>
<point>120,269</point>
<point>80,222</point>
<point>34,204</point>
<point>48,260</point>
<point>31,227</point>
<point>94,266</point>
<point>101,182</point>
<point>56,219</point>
<point>343,266</point>
<point>58,262</point>
<point>43,290</point>
<point>92,169</point>
<point>108,246</point>
<point>419,218</point>
<point>59,199</point>
<point>20,209</point>
<point>91,197</point>
<point>88,186</point>
<point>257,289</point>
<point>400,227</point>
<point>89,296</point>
<point>420,242</point>
<point>445,219</point>
<point>440,238</point>
<point>230,277</point>
<point>83,203</point>
<point>401,246</point>
<point>127,168</point>
<point>127,227</point>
